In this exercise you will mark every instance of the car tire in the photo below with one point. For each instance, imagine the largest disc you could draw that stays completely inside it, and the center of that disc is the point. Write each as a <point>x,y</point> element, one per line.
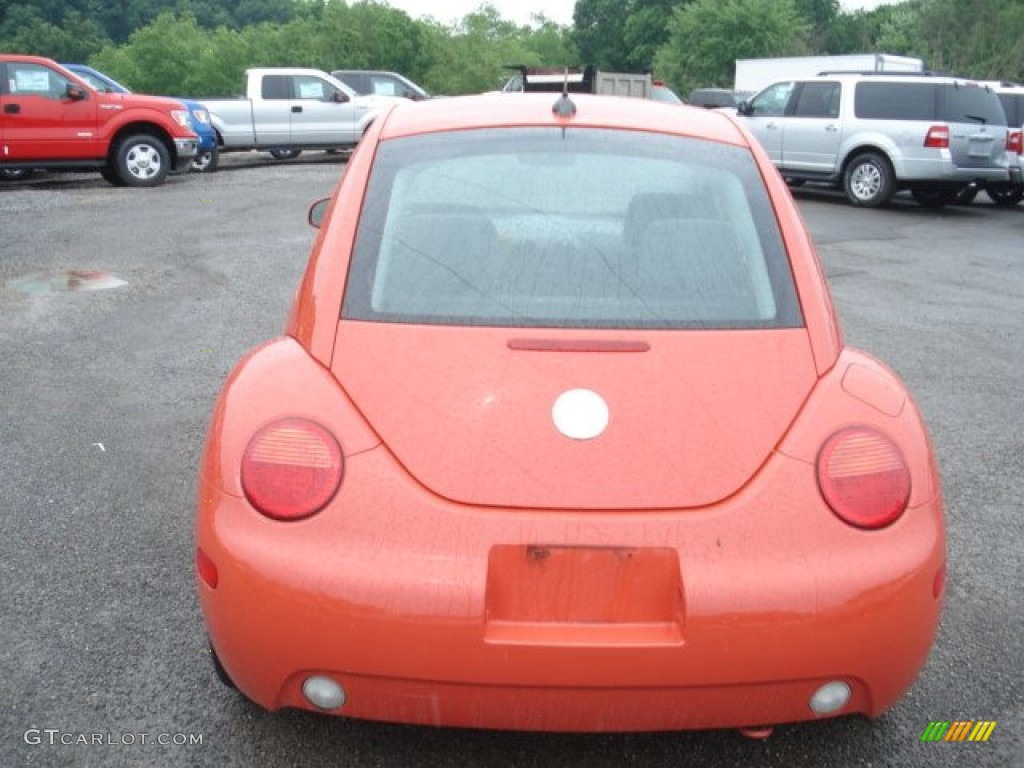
<point>285,154</point>
<point>868,180</point>
<point>15,174</point>
<point>142,160</point>
<point>1006,197</point>
<point>206,161</point>
<point>933,199</point>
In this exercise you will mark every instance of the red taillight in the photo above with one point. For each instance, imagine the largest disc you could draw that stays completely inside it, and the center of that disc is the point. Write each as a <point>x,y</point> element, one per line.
<point>291,469</point>
<point>207,569</point>
<point>1015,142</point>
<point>863,477</point>
<point>937,137</point>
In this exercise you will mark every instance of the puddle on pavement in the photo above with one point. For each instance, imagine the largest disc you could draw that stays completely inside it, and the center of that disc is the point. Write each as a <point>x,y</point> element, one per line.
<point>70,280</point>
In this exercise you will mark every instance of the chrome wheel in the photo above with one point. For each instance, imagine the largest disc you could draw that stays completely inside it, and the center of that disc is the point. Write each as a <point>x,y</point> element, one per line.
<point>865,181</point>
<point>868,180</point>
<point>143,162</point>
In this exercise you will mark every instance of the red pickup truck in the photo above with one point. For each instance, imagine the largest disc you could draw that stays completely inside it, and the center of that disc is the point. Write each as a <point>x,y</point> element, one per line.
<point>51,119</point>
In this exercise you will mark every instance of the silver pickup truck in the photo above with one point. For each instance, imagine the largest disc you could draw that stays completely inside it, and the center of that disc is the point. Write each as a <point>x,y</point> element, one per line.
<point>287,110</point>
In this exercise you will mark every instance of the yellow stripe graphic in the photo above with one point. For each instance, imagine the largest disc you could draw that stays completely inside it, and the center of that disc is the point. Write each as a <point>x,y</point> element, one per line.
<point>983,730</point>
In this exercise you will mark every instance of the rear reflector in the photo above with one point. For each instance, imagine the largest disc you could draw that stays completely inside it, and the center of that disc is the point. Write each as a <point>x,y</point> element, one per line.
<point>291,469</point>
<point>938,137</point>
<point>863,477</point>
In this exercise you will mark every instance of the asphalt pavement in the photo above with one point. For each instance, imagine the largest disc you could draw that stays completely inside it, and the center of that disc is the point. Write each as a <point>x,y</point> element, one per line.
<point>105,399</point>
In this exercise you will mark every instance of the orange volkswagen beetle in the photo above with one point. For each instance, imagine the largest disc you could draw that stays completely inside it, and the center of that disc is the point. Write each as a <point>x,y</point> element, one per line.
<point>562,435</point>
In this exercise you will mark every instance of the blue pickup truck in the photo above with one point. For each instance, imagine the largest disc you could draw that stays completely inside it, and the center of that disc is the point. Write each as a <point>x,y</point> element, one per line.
<point>207,154</point>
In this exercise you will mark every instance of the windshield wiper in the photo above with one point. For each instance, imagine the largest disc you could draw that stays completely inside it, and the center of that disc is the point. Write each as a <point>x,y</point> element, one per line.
<point>979,118</point>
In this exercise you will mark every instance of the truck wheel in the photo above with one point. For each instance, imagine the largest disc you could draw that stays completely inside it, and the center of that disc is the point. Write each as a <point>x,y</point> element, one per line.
<point>285,154</point>
<point>206,161</point>
<point>1006,196</point>
<point>142,160</point>
<point>868,180</point>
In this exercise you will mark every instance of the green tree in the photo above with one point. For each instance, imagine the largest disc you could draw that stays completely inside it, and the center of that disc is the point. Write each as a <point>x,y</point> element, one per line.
<point>982,38</point>
<point>597,33</point>
<point>706,37</point>
<point>822,16</point>
<point>646,30</point>
<point>75,39</point>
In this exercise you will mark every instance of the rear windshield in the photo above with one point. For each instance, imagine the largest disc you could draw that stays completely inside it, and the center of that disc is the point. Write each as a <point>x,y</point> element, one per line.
<point>945,102</point>
<point>970,104</point>
<point>577,228</point>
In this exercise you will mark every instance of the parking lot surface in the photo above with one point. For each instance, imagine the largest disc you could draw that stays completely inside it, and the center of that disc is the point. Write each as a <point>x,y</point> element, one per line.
<point>122,311</point>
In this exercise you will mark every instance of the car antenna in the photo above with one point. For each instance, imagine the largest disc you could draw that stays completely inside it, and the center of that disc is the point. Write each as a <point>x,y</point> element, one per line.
<point>564,107</point>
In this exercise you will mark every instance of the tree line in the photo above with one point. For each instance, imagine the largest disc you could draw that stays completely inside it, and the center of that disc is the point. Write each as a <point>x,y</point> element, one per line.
<point>202,47</point>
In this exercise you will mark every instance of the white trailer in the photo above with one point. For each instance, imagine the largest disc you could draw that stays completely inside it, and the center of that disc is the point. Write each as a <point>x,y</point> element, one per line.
<point>754,74</point>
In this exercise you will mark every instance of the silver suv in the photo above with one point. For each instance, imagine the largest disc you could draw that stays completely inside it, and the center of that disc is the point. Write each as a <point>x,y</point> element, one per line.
<point>877,133</point>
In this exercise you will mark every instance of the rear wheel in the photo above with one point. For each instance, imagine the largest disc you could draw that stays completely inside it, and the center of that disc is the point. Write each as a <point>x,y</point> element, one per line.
<point>868,180</point>
<point>285,154</point>
<point>142,160</point>
<point>1006,196</point>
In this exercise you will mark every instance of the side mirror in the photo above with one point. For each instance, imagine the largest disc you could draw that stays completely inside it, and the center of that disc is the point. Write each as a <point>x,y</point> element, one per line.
<point>745,108</point>
<point>341,97</point>
<point>317,211</point>
<point>74,92</point>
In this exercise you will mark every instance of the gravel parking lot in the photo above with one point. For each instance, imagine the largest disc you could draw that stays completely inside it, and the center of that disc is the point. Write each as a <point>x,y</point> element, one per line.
<point>106,394</point>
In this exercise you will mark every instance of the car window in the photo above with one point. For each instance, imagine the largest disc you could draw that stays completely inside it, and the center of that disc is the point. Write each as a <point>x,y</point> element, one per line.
<point>355,81</point>
<point>970,103</point>
<point>895,101</point>
<point>25,79</point>
<point>584,228</point>
<point>772,101</point>
<point>312,87</point>
<point>1013,106</point>
<point>818,100</point>
<point>385,86</point>
<point>275,87</point>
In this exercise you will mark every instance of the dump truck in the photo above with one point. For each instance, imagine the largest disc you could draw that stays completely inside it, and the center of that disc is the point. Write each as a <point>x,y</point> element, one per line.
<point>586,80</point>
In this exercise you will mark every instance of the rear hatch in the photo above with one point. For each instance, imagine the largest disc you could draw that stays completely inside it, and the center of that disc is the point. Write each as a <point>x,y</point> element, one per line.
<point>977,125</point>
<point>468,412</point>
<point>573,318</point>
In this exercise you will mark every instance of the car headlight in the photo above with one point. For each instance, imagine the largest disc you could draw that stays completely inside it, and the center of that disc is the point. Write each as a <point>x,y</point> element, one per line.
<point>181,117</point>
<point>201,116</point>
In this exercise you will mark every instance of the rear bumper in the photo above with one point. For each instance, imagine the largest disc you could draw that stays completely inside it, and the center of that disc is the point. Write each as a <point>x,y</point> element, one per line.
<point>398,596</point>
<point>941,170</point>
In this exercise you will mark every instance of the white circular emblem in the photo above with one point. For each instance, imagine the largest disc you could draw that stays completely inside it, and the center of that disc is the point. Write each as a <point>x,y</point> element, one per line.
<point>580,414</point>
